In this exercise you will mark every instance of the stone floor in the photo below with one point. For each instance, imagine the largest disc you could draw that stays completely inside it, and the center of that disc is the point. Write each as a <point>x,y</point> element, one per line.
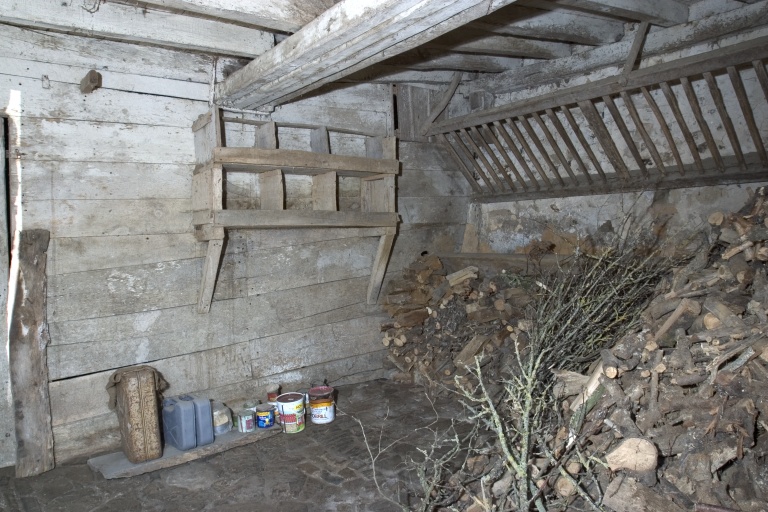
<point>324,468</point>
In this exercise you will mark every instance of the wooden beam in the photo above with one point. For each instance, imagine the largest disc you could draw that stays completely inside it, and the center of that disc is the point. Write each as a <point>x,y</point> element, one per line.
<point>518,155</point>
<point>210,271</point>
<point>745,51</point>
<point>528,151</point>
<point>659,12</point>
<point>582,140</point>
<point>260,160</point>
<point>382,73</point>
<point>350,36</point>
<point>279,15</point>
<point>690,94</point>
<point>604,137</point>
<point>725,118</point>
<point>664,128</point>
<point>540,147</point>
<point>619,120</point>
<point>495,141</point>
<point>138,25</point>
<point>28,340</point>
<point>462,166</point>
<point>746,110</point>
<point>678,115</point>
<point>471,159</point>
<point>489,151</point>
<point>640,127</point>
<point>380,265</point>
<point>233,219</point>
<point>608,56</point>
<point>635,49</point>
<point>469,134</point>
<point>443,103</point>
<point>428,58</point>
<point>553,144</point>
<point>568,144</point>
<point>559,24</point>
<point>474,41</point>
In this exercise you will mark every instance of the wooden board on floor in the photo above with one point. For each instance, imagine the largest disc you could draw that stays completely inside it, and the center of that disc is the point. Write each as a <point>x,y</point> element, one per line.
<point>116,465</point>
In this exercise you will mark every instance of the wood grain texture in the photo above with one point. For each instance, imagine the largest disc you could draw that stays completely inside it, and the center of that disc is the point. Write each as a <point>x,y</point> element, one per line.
<point>7,417</point>
<point>28,339</point>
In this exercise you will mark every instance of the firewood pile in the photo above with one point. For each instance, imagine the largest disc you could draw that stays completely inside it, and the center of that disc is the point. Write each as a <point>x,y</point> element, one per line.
<point>671,415</point>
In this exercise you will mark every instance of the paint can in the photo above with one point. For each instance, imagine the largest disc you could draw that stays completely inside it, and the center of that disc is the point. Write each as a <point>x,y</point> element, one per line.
<point>245,421</point>
<point>291,407</point>
<point>322,410</point>
<point>272,400</point>
<point>321,392</point>
<point>265,416</point>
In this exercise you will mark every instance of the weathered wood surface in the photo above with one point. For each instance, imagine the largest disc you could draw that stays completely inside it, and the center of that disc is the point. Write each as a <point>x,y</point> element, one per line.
<point>658,12</point>
<point>28,340</point>
<point>116,465</point>
<point>656,43</point>
<point>133,24</point>
<point>7,417</point>
<point>256,159</point>
<point>297,218</point>
<point>347,37</point>
<point>277,15</point>
<point>474,41</point>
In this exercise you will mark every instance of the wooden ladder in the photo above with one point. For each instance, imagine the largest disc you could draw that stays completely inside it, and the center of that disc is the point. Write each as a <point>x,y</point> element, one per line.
<point>378,171</point>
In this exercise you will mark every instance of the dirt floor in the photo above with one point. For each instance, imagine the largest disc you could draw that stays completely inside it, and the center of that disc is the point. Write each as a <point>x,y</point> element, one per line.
<point>324,468</point>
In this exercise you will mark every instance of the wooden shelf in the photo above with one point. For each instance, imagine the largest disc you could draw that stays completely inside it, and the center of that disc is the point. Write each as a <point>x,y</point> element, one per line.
<point>377,172</point>
<point>300,162</point>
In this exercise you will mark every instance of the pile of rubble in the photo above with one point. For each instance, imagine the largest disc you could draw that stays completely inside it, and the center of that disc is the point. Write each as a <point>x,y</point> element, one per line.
<point>672,417</point>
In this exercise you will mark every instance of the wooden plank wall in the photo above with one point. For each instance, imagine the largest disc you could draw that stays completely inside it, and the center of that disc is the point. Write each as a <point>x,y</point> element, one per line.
<point>109,175</point>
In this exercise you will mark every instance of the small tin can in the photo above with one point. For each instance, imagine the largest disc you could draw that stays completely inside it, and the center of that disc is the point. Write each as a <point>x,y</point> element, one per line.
<point>245,421</point>
<point>265,416</point>
<point>272,400</point>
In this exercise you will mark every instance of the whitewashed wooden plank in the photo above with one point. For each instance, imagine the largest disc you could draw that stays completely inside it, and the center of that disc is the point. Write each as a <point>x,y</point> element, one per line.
<point>285,352</point>
<point>124,290</point>
<point>347,37</point>
<point>81,254</point>
<point>424,156</point>
<point>417,183</point>
<point>101,55</point>
<point>85,397</point>
<point>139,25</point>
<point>109,218</point>
<point>356,97</point>
<point>104,180</point>
<point>435,59</point>
<point>433,210</point>
<point>259,315</point>
<point>659,12</point>
<point>278,15</point>
<point>308,264</point>
<point>50,139</point>
<point>111,81</point>
<point>58,100</point>
<point>75,441</point>
<point>367,121</point>
<point>263,239</point>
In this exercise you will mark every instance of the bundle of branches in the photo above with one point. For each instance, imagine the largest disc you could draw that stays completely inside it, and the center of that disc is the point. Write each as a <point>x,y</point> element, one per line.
<point>577,312</point>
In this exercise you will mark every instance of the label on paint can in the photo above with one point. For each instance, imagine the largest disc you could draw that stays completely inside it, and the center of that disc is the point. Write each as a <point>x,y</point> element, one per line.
<point>245,421</point>
<point>291,407</point>
<point>265,416</point>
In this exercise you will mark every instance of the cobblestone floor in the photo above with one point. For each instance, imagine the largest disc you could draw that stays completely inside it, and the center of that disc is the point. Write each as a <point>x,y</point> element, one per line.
<point>324,468</point>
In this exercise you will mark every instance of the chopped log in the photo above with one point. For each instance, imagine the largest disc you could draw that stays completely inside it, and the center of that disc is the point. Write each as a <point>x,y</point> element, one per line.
<point>722,312</point>
<point>733,251</point>
<point>462,275</point>
<point>716,218</point>
<point>411,318</point>
<point>686,307</point>
<point>467,355</point>
<point>611,364</point>
<point>681,357</point>
<point>635,454</point>
<point>659,308</point>
<point>592,384</point>
<point>569,383</point>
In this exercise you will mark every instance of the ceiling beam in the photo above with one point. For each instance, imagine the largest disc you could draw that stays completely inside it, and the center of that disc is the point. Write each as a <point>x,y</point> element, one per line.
<point>472,41</point>
<point>558,24</point>
<point>427,60</point>
<point>659,12</point>
<point>656,43</point>
<point>350,36</point>
<point>382,73</point>
<point>132,24</point>
<point>279,15</point>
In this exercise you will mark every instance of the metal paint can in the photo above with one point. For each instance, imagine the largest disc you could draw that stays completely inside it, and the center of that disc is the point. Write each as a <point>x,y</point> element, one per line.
<point>291,407</point>
<point>245,421</point>
<point>272,400</point>
<point>323,410</point>
<point>265,416</point>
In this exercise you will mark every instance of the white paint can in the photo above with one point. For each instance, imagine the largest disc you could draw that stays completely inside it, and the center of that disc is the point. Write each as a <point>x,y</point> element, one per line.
<point>291,407</point>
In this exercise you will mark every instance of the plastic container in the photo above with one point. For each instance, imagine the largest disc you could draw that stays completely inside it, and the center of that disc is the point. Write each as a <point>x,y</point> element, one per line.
<point>222,418</point>
<point>203,419</point>
<point>179,423</point>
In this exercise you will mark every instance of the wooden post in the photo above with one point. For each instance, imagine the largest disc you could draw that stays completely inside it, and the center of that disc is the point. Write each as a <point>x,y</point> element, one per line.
<point>28,339</point>
<point>380,264</point>
<point>7,428</point>
<point>210,270</point>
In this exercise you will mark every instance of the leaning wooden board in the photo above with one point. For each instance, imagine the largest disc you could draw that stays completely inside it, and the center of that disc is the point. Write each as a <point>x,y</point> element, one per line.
<point>116,465</point>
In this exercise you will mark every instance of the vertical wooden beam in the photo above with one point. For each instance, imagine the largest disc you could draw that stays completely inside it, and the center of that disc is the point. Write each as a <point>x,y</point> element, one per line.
<point>519,156</point>
<point>725,118</point>
<point>553,143</point>
<point>625,133</point>
<point>540,147</point>
<point>483,160</point>
<point>462,166</point>
<point>378,194</point>
<point>664,128</point>
<point>272,190</point>
<point>762,76</point>
<point>492,155</point>
<point>7,420</point>
<point>468,154</point>
<point>634,50</point>
<point>649,144</point>
<point>443,103</point>
<point>208,131</point>
<point>746,110</point>
<point>27,351</point>
<point>604,137</point>
<point>210,270</point>
<point>528,151</point>
<point>380,264</point>
<point>266,136</point>
<point>568,143</point>
<point>672,101</point>
<point>319,142</point>
<point>324,191</point>
<point>690,94</point>
<point>495,141</point>
<point>583,141</point>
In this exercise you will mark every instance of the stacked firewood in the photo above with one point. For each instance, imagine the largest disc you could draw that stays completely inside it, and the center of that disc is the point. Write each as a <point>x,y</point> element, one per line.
<point>672,417</point>
<point>442,321</point>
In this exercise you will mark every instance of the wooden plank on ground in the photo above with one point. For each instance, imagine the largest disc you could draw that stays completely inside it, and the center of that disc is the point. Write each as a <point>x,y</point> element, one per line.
<point>132,24</point>
<point>28,340</point>
<point>116,465</point>
<point>351,35</point>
